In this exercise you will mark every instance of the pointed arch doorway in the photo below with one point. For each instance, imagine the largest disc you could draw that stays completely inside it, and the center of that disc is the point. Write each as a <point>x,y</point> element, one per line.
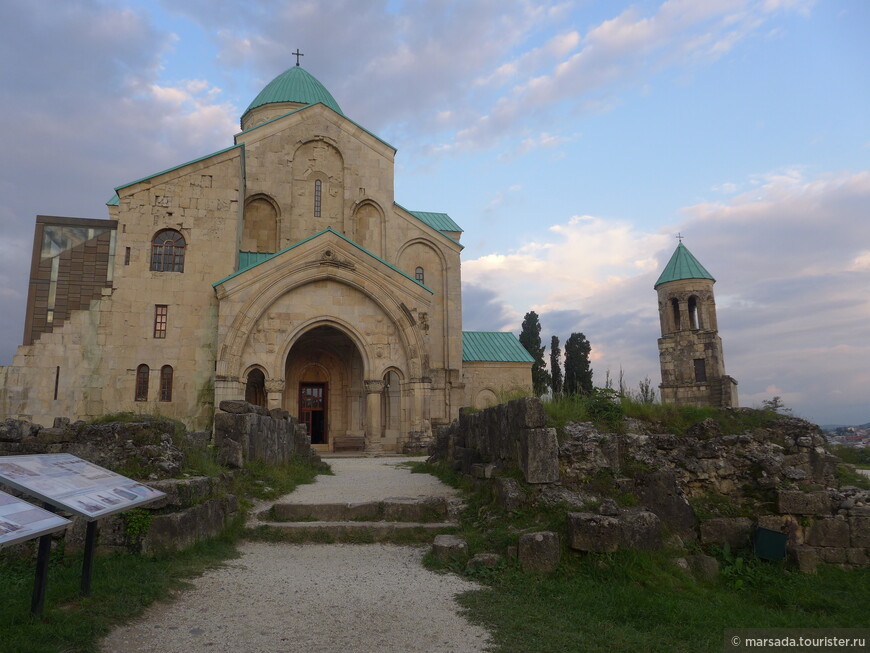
<point>324,386</point>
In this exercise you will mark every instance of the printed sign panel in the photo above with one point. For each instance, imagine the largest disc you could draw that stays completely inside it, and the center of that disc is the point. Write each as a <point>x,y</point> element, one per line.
<point>73,484</point>
<point>20,521</point>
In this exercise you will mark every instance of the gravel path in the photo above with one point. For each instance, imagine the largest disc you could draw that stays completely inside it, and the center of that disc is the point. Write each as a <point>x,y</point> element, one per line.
<point>317,598</point>
<point>312,598</point>
<point>368,479</point>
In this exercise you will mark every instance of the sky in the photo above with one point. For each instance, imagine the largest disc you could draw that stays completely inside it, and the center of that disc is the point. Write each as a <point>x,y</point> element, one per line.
<point>572,141</point>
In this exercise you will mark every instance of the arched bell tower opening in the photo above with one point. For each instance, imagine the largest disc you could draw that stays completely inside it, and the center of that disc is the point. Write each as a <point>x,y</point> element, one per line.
<point>324,388</point>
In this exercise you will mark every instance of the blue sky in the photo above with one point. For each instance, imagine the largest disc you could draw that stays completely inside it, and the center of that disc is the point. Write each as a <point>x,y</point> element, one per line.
<point>571,140</point>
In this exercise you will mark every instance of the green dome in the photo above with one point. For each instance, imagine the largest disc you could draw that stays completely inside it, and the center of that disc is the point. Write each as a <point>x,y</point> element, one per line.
<point>295,85</point>
<point>683,266</point>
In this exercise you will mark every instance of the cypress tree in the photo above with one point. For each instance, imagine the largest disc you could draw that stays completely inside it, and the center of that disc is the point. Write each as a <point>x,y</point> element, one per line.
<point>578,374</point>
<point>555,366</point>
<point>530,338</point>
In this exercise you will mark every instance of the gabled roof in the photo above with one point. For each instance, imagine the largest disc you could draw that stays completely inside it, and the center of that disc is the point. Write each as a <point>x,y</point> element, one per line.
<point>493,346</point>
<point>180,165</point>
<point>683,266</point>
<point>295,85</point>
<point>253,259</point>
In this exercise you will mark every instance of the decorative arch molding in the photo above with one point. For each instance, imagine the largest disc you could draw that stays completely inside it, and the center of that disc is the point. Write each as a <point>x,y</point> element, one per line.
<point>338,324</point>
<point>365,234</point>
<point>323,369</point>
<point>248,315</point>
<point>255,366</point>
<point>426,242</point>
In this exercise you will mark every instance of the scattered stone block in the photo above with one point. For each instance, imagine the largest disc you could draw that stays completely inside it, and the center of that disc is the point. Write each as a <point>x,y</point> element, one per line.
<point>482,470</point>
<point>236,406</point>
<point>538,453</point>
<point>539,552</point>
<point>831,532</point>
<point>609,508</point>
<point>859,525</point>
<point>703,566</point>
<point>806,559</point>
<point>734,531</point>
<point>464,459</point>
<point>527,413</point>
<point>485,561</point>
<point>640,530</point>
<point>510,493</point>
<point>792,502</point>
<point>658,492</point>
<point>449,547</point>
<point>682,563</point>
<point>593,533</point>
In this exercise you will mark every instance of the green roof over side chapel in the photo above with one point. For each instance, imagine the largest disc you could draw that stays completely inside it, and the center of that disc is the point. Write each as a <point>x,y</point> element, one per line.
<point>493,346</point>
<point>683,266</point>
<point>295,85</point>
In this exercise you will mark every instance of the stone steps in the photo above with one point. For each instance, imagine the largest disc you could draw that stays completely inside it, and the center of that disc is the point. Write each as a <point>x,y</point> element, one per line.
<point>375,531</point>
<point>431,509</point>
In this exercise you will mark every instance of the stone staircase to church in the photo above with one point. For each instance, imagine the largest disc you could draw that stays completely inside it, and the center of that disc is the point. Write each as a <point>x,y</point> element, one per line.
<point>365,500</point>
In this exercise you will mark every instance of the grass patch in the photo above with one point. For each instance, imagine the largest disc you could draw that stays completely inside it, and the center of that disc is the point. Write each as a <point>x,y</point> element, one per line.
<point>607,410</point>
<point>266,481</point>
<point>123,585</point>
<point>633,601</point>
<point>852,455</point>
<point>848,476</point>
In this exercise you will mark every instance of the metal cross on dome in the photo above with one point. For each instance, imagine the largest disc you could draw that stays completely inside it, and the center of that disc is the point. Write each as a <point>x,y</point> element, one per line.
<point>679,236</point>
<point>297,54</point>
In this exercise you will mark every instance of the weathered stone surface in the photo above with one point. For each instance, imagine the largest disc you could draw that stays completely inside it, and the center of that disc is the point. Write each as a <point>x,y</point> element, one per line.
<point>278,413</point>
<point>806,559</point>
<point>482,470</point>
<point>449,547</point>
<point>236,406</point>
<point>703,566</point>
<point>640,530</point>
<point>804,503</point>
<point>14,430</point>
<point>510,493</point>
<point>594,533</point>
<point>659,493</point>
<point>178,530</point>
<point>857,556</point>
<point>527,413</point>
<point>829,532</point>
<point>609,508</point>
<point>735,531</point>
<point>538,453</point>
<point>465,458</point>
<point>539,552</point>
<point>705,429</point>
<point>859,525</point>
<point>832,554</point>
<point>484,560</point>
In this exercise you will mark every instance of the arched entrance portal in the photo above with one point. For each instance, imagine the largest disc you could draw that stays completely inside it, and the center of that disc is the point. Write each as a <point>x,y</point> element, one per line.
<point>324,386</point>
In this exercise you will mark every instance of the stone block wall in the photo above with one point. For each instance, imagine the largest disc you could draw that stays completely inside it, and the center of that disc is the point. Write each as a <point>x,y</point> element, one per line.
<point>511,434</point>
<point>245,432</point>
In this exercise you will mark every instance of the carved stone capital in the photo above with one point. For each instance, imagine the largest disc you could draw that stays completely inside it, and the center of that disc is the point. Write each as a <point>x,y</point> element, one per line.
<point>274,385</point>
<point>374,386</point>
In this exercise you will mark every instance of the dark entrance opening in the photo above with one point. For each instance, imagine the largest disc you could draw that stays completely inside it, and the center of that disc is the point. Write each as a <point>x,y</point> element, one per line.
<point>255,389</point>
<point>312,410</point>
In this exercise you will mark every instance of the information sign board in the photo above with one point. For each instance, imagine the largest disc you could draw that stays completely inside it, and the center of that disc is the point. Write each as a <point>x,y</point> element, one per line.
<point>20,521</point>
<point>75,485</point>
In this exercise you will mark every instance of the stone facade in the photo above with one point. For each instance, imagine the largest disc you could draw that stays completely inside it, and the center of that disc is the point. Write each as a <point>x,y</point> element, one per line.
<point>690,349</point>
<point>279,271</point>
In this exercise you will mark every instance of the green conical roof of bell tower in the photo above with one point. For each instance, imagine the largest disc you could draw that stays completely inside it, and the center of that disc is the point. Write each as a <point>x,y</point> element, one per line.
<point>683,266</point>
<point>295,85</point>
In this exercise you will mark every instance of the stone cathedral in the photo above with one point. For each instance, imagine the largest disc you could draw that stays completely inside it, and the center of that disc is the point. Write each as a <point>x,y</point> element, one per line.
<point>279,270</point>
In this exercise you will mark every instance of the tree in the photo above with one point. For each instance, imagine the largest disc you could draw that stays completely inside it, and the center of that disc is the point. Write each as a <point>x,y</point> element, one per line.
<point>578,374</point>
<point>775,405</point>
<point>530,338</point>
<point>555,366</point>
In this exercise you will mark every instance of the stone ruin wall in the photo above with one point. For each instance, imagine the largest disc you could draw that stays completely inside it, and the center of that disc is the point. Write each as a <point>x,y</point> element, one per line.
<point>195,508</point>
<point>625,490</point>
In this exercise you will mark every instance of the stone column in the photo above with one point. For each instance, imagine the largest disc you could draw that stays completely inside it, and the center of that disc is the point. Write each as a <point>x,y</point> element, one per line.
<point>274,393</point>
<point>227,387</point>
<point>374,389</point>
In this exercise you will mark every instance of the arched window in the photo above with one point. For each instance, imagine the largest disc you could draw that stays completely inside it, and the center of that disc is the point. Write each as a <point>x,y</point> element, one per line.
<point>255,389</point>
<point>418,275</point>
<point>166,383</point>
<point>167,251</point>
<point>142,374</point>
<point>675,305</point>
<point>318,188</point>
<point>694,313</point>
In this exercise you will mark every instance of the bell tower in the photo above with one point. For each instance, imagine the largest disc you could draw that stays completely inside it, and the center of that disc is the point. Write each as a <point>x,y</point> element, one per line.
<point>690,350</point>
